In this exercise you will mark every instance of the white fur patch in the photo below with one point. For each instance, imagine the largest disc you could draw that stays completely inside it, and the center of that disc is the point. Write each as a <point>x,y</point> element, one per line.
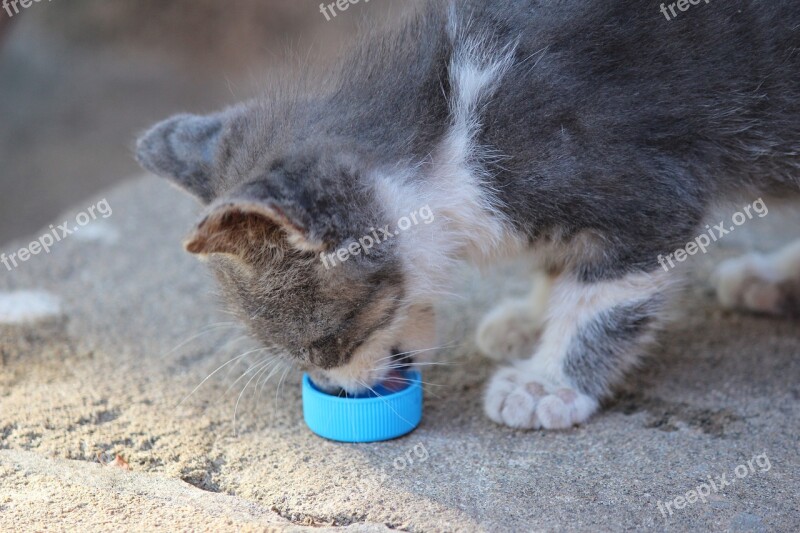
<point>573,304</point>
<point>22,307</point>
<point>516,399</point>
<point>536,392</point>
<point>510,331</point>
<point>468,224</point>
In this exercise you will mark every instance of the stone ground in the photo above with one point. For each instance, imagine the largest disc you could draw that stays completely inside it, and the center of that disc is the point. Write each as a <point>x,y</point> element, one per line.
<point>113,371</point>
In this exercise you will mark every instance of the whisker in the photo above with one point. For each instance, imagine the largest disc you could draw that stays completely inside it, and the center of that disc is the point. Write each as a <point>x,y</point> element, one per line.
<point>205,331</point>
<point>278,390</point>
<point>413,352</point>
<point>236,407</point>
<point>405,365</point>
<point>263,370</point>
<point>217,370</point>
<point>273,370</point>
<point>233,341</point>
<point>245,373</point>
<point>426,383</point>
<point>407,380</point>
<point>384,401</point>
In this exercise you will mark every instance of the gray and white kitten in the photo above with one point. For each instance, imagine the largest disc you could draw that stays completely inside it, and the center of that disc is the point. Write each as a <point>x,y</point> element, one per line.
<point>595,134</point>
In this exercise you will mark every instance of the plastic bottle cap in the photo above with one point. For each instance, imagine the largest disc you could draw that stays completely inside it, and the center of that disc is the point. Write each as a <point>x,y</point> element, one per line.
<point>366,418</point>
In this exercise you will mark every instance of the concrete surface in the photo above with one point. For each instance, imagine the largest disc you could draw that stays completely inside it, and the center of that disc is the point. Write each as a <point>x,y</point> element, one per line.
<point>138,329</point>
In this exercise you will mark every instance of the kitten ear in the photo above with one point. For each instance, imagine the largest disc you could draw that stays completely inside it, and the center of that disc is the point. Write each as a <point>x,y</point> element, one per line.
<point>246,224</point>
<point>184,149</point>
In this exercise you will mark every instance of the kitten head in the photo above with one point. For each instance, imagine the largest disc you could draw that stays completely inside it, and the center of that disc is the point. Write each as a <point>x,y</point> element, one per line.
<point>277,211</point>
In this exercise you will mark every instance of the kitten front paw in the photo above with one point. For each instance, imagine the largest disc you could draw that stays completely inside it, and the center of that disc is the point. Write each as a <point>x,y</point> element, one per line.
<point>510,331</point>
<point>523,401</point>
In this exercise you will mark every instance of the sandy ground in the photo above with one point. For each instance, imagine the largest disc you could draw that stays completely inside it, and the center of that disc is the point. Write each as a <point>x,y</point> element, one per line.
<point>113,373</point>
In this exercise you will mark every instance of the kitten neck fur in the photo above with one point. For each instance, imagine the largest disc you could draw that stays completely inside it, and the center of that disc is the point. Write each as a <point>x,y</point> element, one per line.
<point>469,223</point>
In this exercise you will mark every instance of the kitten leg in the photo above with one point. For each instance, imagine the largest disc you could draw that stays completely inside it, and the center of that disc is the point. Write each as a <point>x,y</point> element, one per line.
<point>761,283</point>
<point>512,329</point>
<point>594,333</point>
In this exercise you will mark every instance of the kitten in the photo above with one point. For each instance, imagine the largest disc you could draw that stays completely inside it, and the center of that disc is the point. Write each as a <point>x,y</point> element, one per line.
<point>595,134</point>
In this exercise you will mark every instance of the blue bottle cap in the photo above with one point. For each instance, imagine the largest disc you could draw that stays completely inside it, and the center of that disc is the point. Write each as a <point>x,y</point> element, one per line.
<point>365,418</point>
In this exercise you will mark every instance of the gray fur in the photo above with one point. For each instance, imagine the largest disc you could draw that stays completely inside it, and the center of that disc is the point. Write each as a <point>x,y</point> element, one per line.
<point>611,122</point>
<point>183,148</point>
<point>285,295</point>
<point>606,347</point>
<point>634,124</point>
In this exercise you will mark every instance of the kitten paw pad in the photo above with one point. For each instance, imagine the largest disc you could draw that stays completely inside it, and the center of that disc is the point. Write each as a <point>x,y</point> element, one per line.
<point>527,403</point>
